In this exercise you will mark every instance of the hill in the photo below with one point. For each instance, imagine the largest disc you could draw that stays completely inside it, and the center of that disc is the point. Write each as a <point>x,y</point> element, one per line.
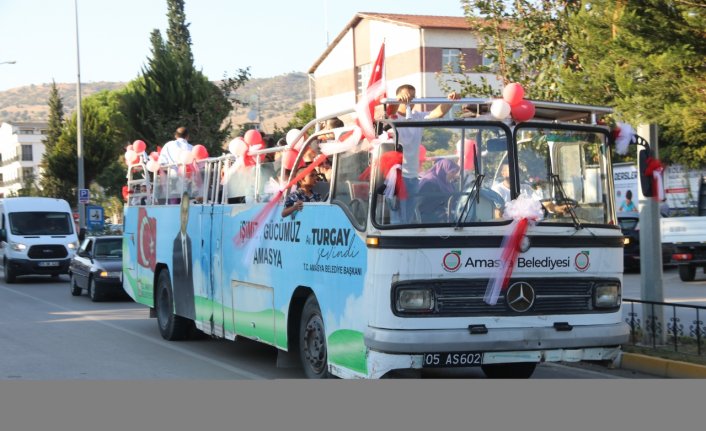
<point>279,98</point>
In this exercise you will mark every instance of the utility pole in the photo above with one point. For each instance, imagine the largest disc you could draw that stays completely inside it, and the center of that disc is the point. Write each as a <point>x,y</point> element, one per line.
<point>79,130</point>
<point>651,288</point>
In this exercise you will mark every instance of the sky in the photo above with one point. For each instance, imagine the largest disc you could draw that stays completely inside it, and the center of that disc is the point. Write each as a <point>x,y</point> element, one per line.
<point>272,37</point>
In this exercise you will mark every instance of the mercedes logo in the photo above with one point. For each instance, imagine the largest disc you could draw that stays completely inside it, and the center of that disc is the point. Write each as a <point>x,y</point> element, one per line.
<point>520,297</point>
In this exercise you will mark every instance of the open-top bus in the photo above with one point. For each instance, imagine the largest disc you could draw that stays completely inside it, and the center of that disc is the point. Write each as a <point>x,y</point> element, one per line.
<point>354,290</point>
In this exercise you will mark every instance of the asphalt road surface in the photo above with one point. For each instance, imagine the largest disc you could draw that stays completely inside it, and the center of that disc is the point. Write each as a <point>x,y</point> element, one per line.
<point>47,334</point>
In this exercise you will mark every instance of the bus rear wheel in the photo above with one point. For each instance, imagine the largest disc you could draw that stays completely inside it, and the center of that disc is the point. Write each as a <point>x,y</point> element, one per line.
<point>171,326</point>
<point>519,370</point>
<point>312,341</point>
<point>9,272</point>
<point>687,272</point>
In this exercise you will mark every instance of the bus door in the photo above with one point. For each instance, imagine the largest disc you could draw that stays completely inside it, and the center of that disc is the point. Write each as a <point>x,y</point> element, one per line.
<point>210,311</point>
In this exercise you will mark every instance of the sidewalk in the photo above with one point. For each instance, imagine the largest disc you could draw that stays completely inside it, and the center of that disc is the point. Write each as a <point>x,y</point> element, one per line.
<point>660,367</point>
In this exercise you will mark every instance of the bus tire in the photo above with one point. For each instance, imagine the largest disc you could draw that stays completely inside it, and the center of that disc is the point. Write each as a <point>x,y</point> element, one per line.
<point>171,326</point>
<point>9,272</point>
<point>519,370</point>
<point>687,272</point>
<point>312,341</point>
<point>75,290</point>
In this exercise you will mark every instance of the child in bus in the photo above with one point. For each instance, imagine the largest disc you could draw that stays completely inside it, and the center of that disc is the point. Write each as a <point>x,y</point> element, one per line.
<point>304,193</point>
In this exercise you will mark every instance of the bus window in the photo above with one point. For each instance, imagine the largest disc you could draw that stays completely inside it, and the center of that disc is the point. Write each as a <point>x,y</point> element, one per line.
<point>351,190</point>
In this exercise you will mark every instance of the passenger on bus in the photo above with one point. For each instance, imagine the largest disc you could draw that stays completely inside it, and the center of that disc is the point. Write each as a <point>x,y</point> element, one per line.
<point>436,186</point>
<point>170,151</point>
<point>503,187</point>
<point>411,138</point>
<point>304,193</point>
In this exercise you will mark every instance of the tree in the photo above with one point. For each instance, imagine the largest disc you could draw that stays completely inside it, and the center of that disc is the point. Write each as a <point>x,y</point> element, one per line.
<point>170,93</point>
<point>646,58</point>
<point>103,140</point>
<point>524,41</point>
<point>50,185</point>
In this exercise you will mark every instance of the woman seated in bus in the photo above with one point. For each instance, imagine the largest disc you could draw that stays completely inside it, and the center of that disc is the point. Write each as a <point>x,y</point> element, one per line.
<point>435,188</point>
<point>304,193</point>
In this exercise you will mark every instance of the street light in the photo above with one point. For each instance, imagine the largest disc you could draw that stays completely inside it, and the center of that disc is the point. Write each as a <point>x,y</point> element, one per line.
<point>79,127</point>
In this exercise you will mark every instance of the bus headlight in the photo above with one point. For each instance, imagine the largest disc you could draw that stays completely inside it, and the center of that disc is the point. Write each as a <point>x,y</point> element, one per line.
<point>72,245</point>
<point>17,246</point>
<point>606,295</point>
<point>416,300</point>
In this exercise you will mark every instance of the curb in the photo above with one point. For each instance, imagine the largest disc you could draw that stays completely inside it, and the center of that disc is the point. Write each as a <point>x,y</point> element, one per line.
<point>661,367</point>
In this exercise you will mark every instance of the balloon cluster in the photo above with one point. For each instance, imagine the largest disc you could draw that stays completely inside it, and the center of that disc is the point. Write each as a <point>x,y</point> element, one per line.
<point>513,102</point>
<point>243,147</point>
<point>135,152</point>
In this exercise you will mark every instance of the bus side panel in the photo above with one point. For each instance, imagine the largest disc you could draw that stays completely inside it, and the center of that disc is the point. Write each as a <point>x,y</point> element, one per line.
<point>318,249</point>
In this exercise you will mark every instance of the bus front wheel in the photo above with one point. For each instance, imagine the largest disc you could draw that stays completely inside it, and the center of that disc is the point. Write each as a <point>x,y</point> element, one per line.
<point>171,326</point>
<point>312,341</point>
<point>520,370</point>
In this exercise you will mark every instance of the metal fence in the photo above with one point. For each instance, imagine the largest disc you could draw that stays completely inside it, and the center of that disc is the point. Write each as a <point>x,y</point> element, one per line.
<point>684,327</point>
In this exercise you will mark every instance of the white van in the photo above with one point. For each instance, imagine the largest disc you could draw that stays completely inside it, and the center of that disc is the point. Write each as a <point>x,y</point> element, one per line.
<point>37,236</point>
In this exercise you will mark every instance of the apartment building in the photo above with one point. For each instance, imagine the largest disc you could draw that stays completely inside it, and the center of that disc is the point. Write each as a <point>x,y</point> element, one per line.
<point>417,48</point>
<point>21,151</point>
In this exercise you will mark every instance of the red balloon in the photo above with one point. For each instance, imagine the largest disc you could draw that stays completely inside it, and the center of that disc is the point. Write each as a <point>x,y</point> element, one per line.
<point>139,146</point>
<point>154,156</point>
<point>469,155</point>
<point>289,157</point>
<point>125,192</point>
<point>513,93</point>
<point>252,137</point>
<point>523,111</point>
<point>200,152</point>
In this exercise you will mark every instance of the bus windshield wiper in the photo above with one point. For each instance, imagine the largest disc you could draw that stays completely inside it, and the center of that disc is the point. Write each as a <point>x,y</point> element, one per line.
<point>561,199</point>
<point>473,194</point>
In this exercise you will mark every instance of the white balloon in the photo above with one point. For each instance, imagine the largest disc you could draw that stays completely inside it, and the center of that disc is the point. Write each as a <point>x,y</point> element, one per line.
<point>186,157</point>
<point>500,109</point>
<point>130,156</point>
<point>291,136</point>
<point>238,146</point>
<point>152,165</point>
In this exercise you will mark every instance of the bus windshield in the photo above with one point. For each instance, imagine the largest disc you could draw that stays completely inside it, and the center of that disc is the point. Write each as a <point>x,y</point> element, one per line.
<point>566,171</point>
<point>40,223</point>
<point>449,176</point>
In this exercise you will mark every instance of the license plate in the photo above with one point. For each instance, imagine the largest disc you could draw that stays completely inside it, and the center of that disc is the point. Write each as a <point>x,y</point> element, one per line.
<point>48,263</point>
<point>453,359</point>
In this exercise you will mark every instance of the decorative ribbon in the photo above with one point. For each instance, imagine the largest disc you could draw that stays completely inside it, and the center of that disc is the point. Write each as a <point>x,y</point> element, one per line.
<point>655,169</point>
<point>623,134</point>
<point>522,211</point>
<point>391,181</point>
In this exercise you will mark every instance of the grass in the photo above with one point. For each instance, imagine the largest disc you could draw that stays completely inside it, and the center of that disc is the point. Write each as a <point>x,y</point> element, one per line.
<point>686,354</point>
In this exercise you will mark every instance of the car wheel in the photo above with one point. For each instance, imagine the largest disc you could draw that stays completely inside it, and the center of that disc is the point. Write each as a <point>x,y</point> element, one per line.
<point>75,290</point>
<point>312,341</point>
<point>9,273</point>
<point>687,272</point>
<point>93,291</point>
<point>171,326</point>
<point>520,370</point>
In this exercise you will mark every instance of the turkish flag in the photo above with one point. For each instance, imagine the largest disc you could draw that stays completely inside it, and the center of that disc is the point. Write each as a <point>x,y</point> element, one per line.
<point>372,96</point>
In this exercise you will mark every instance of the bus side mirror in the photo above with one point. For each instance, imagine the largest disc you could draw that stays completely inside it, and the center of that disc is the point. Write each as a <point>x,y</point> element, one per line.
<point>645,181</point>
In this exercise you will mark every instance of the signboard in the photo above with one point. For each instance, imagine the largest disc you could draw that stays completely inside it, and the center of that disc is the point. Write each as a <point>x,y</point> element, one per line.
<point>625,178</point>
<point>94,217</point>
<point>83,196</point>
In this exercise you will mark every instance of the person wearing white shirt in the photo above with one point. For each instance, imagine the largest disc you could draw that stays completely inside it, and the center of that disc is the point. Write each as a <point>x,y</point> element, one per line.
<point>410,138</point>
<point>503,187</point>
<point>171,150</point>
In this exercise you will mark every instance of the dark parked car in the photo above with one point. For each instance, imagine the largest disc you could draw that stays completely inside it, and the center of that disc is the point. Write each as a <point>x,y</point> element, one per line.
<point>98,267</point>
<point>630,226</point>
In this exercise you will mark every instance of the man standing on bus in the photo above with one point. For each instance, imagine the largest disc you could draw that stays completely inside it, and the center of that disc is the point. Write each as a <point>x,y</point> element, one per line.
<point>182,266</point>
<point>410,138</point>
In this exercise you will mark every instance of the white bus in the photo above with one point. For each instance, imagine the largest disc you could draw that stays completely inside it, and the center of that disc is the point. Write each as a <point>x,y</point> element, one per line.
<point>353,288</point>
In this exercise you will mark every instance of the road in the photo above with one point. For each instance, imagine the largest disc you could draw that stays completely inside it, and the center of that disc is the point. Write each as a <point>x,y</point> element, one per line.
<point>47,334</point>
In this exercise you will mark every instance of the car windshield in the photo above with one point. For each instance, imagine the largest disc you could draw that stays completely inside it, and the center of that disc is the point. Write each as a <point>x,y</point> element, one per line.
<point>108,247</point>
<point>628,223</point>
<point>40,223</point>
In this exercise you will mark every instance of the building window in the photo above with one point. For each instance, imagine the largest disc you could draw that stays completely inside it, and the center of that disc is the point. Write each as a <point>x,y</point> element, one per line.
<point>26,153</point>
<point>27,173</point>
<point>26,132</point>
<point>363,77</point>
<point>451,60</point>
<point>489,58</point>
